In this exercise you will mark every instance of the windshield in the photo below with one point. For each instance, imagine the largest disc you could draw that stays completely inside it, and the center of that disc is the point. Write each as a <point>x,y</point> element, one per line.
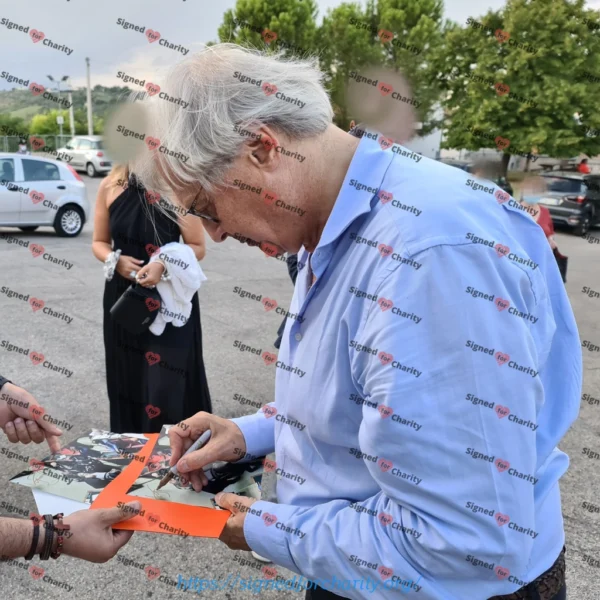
<point>561,184</point>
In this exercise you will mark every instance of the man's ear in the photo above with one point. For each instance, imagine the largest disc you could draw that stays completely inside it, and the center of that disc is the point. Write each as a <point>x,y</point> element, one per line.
<point>263,148</point>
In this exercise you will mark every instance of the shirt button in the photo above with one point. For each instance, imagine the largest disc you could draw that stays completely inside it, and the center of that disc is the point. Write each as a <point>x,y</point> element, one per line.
<point>298,337</point>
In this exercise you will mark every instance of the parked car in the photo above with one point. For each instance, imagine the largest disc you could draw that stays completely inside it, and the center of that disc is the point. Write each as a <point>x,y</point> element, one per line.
<point>88,154</point>
<point>500,181</point>
<point>41,191</point>
<point>573,199</point>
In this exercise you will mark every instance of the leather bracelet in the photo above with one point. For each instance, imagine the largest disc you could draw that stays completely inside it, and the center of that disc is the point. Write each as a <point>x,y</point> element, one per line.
<point>60,529</point>
<point>36,537</point>
<point>3,380</point>
<point>49,525</point>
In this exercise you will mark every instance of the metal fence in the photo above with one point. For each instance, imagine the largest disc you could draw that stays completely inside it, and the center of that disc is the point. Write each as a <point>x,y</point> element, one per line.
<point>10,143</point>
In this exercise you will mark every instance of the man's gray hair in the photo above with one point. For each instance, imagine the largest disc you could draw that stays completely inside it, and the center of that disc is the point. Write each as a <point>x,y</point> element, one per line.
<point>224,107</point>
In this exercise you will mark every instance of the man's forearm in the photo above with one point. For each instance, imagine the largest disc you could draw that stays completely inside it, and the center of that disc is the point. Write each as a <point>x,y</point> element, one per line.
<point>16,536</point>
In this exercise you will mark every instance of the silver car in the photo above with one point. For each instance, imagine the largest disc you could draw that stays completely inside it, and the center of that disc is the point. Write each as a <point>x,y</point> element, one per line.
<point>41,191</point>
<point>87,154</point>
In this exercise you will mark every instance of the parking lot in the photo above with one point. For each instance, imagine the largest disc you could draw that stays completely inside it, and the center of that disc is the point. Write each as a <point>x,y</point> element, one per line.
<point>81,398</point>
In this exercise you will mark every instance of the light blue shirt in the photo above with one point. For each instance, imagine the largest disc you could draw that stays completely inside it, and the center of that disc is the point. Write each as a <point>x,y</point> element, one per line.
<point>421,395</point>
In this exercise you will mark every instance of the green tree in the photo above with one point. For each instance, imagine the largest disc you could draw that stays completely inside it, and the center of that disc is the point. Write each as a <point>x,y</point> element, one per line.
<point>46,124</point>
<point>10,124</point>
<point>523,81</point>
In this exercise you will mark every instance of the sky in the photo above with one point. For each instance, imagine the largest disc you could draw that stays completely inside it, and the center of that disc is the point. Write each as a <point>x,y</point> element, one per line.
<point>88,28</point>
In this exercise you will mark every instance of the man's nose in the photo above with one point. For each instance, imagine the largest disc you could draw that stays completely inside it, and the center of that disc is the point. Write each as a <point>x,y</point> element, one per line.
<point>216,232</point>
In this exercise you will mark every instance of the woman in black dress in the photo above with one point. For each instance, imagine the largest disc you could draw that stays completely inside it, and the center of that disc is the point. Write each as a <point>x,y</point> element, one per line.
<point>152,380</point>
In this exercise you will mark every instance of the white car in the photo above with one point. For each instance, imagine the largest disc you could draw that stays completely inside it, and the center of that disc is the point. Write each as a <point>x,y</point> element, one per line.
<point>41,191</point>
<point>87,154</point>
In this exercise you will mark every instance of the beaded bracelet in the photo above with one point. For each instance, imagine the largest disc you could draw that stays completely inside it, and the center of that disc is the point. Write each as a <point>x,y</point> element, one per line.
<point>60,529</point>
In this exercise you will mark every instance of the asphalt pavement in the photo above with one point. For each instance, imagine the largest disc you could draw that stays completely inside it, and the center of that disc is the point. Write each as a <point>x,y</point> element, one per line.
<point>82,400</point>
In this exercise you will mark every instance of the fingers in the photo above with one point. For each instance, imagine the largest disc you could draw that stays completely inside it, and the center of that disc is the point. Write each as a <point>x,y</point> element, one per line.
<point>48,427</point>
<point>53,443</point>
<point>200,458</point>
<point>36,434</point>
<point>110,516</point>
<point>21,429</point>
<point>198,479</point>
<point>11,434</point>
<point>121,537</point>
<point>233,502</point>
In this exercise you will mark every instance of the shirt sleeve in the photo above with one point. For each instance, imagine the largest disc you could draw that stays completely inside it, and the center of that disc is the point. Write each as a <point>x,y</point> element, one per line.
<point>259,432</point>
<point>451,444</point>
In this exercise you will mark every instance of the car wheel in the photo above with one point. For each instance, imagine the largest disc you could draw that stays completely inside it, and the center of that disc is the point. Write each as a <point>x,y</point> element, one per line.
<point>584,226</point>
<point>28,229</point>
<point>90,170</point>
<point>69,221</point>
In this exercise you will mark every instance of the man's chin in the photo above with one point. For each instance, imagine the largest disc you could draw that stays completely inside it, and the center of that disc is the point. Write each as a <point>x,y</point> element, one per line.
<point>271,249</point>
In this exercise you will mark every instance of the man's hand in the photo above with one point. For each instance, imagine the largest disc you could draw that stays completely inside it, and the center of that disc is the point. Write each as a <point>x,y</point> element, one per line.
<point>21,422</point>
<point>92,537</point>
<point>226,443</point>
<point>233,533</point>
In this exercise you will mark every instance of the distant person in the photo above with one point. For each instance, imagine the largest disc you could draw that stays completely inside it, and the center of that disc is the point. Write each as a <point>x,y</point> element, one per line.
<point>583,167</point>
<point>22,147</point>
<point>166,371</point>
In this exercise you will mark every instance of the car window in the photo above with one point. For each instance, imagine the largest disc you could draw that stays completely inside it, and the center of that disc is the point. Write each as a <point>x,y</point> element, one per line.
<point>73,143</point>
<point>85,145</point>
<point>36,170</point>
<point>7,170</point>
<point>98,145</point>
<point>562,184</point>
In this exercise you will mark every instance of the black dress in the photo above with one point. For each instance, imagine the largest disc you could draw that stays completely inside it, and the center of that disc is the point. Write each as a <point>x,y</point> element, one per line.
<point>151,380</point>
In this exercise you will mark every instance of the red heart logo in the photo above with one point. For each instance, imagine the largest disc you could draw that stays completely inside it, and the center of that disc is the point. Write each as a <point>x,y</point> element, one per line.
<point>385,142</point>
<point>385,197</point>
<point>152,358</point>
<point>152,304</point>
<point>268,36</point>
<point>269,411</point>
<point>502,196</point>
<point>502,89</point>
<point>269,357</point>
<point>35,411</point>
<point>269,197</point>
<point>385,89</point>
<point>501,35</point>
<point>385,358</point>
<point>502,143</point>
<point>36,250</point>
<point>153,518</point>
<point>269,89</point>
<point>36,36</point>
<point>501,465</point>
<point>385,465</point>
<point>269,572</point>
<point>501,250</point>
<point>385,519</point>
<point>385,304</point>
<point>501,358</point>
<point>385,36</point>
<point>502,411</point>
<point>36,197</point>
<point>37,519</point>
<point>385,411</point>
<point>385,572</point>
<point>36,89</point>
<point>268,143</point>
<point>269,465</point>
<point>502,519</point>
<point>151,249</point>
<point>269,519</point>
<point>501,304</point>
<point>385,250</point>
<point>152,411</point>
<point>152,35</point>
<point>152,143</point>
<point>269,249</point>
<point>36,572</point>
<point>152,572</point>
<point>36,465</point>
<point>152,88</point>
<point>36,142</point>
<point>501,572</point>
<point>269,304</point>
<point>152,197</point>
<point>36,358</point>
<point>36,304</point>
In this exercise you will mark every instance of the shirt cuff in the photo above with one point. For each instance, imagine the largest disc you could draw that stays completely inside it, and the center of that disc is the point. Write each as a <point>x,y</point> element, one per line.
<point>259,434</point>
<point>263,535</point>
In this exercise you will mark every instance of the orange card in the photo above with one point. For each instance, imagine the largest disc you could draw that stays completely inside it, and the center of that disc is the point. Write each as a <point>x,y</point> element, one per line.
<point>159,516</point>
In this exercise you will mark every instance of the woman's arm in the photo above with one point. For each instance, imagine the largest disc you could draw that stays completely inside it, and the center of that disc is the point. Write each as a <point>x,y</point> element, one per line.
<point>192,232</point>
<point>101,243</point>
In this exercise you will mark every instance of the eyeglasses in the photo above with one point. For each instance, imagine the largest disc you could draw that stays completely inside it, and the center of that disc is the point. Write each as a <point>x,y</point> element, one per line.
<point>192,211</point>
